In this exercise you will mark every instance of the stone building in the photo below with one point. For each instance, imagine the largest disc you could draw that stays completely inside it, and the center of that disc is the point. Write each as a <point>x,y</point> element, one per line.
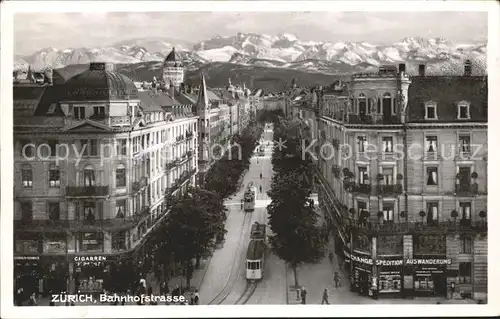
<point>94,159</point>
<point>402,166</point>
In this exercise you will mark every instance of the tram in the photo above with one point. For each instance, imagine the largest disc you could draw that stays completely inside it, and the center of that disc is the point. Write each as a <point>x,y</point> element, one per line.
<point>255,259</point>
<point>249,198</point>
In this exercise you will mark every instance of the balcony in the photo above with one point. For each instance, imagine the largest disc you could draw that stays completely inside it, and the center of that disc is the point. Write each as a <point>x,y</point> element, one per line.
<point>84,191</point>
<point>389,189</point>
<point>137,186</point>
<point>362,188</point>
<point>179,139</point>
<point>466,189</point>
<point>189,135</point>
<point>443,227</point>
<point>41,224</point>
<point>190,154</point>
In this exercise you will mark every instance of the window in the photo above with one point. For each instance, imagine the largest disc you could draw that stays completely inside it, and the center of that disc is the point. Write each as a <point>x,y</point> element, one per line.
<point>121,147</point>
<point>463,111</point>
<point>119,240</point>
<point>431,111</point>
<point>54,211</point>
<point>89,213</point>
<point>466,245</point>
<point>89,147</point>
<point>432,212</point>
<point>432,176</point>
<point>387,173</point>
<point>27,150</point>
<point>54,177</point>
<point>387,144</point>
<point>92,241</point>
<point>98,111</point>
<point>27,210</point>
<point>387,100</point>
<point>121,179</point>
<point>121,208</point>
<point>464,143</point>
<point>388,210</point>
<point>361,207</point>
<point>27,176</point>
<point>465,272</point>
<point>362,104</point>
<point>465,211</point>
<point>431,144</point>
<point>79,112</point>
<point>363,175</point>
<point>362,143</point>
<point>52,147</point>
<point>89,177</point>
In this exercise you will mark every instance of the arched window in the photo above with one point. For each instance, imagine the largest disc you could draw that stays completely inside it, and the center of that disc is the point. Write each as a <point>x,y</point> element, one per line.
<point>362,104</point>
<point>387,104</point>
<point>121,180</point>
<point>89,176</point>
<point>27,176</point>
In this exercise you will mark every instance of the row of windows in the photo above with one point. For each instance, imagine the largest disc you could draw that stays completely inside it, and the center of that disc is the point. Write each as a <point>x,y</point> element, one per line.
<point>463,110</point>
<point>431,143</point>
<point>432,213</point>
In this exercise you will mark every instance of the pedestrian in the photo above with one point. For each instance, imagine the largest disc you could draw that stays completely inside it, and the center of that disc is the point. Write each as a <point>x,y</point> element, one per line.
<point>330,256</point>
<point>325,297</point>
<point>32,301</point>
<point>303,294</point>
<point>260,175</point>
<point>150,291</point>
<point>196,297</point>
<point>336,279</point>
<point>260,187</point>
<point>176,291</point>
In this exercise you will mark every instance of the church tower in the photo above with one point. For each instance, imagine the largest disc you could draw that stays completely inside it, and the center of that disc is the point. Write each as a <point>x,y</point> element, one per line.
<point>173,70</point>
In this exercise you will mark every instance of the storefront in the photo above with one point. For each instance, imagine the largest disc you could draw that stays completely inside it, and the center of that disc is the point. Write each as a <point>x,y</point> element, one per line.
<point>361,273</point>
<point>429,275</point>
<point>90,272</point>
<point>389,275</point>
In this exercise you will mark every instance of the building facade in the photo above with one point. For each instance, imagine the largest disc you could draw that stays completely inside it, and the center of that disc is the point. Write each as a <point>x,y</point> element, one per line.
<point>95,158</point>
<point>397,174</point>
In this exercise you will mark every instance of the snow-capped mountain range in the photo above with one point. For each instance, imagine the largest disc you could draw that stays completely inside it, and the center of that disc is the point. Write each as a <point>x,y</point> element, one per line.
<point>281,51</point>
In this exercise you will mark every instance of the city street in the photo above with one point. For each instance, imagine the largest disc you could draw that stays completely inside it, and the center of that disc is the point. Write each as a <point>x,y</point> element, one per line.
<point>225,281</point>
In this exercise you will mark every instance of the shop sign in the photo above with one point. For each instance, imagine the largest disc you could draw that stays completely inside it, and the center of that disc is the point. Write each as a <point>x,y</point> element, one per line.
<point>446,261</point>
<point>89,260</point>
<point>383,262</point>
<point>362,260</point>
<point>26,257</point>
<point>54,246</point>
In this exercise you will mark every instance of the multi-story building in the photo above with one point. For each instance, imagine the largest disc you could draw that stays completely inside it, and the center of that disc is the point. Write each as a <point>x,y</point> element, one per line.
<point>94,159</point>
<point>403,175</point>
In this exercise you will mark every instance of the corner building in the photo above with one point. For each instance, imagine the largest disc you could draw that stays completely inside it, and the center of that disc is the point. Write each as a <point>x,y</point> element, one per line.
<point>94,159</point>
<point>403,177</point>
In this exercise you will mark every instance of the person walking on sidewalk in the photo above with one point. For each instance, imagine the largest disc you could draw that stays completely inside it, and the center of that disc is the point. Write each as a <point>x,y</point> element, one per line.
<point>336,279</point>
<point>303,294</point>
<point>196,297</point>
<point>325,297</point>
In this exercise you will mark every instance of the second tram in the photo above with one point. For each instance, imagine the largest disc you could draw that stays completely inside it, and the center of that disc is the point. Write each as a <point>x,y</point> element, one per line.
<point>249,198</point>
<point>256,252</point>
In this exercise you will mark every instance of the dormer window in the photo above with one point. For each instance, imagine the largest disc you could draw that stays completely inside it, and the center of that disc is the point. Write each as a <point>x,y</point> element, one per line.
<point>431,111</point>
<point>463,110</point>
<point>79,112</point>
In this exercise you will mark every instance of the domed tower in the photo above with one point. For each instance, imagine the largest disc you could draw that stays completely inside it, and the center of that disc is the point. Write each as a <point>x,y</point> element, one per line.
<point>173,70</point>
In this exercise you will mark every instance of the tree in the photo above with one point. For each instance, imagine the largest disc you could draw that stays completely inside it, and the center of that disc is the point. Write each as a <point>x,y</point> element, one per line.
<point>296,236</point>
<point>194,221</point>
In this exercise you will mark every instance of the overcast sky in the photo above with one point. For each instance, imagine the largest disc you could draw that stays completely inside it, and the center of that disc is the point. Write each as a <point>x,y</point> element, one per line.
<point>34,31</point>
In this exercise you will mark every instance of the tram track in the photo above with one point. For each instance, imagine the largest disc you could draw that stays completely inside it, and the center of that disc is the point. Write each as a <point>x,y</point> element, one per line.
<point>235,266</point>
<point>247,293</point>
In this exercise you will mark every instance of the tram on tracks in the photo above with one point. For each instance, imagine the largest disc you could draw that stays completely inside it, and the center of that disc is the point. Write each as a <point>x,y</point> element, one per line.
<point>256,252</point>
<point>249,198</point>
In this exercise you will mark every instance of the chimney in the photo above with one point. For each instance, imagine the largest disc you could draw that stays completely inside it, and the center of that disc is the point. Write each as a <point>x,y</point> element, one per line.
<point>468,68</point>
<point>421,70</point>
<point>402,68</point>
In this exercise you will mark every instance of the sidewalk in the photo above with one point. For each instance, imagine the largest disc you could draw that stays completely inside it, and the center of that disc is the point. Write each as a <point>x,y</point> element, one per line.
<point>316,277</point>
